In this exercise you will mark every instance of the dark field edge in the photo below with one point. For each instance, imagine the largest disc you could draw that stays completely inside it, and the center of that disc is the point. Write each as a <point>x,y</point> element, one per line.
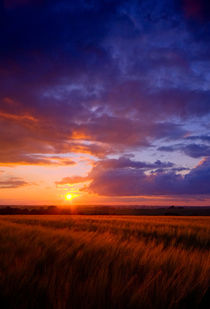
<point>106,210</point>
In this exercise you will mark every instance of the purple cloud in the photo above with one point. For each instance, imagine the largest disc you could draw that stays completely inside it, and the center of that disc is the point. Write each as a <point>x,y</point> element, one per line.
<point>126,177</point>
<point>126,181</point>
<point>203,138</point>
<point>192,150</point>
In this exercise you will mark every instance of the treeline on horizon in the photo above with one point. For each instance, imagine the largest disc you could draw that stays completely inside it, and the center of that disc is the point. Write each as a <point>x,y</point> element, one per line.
<point>106,210</point>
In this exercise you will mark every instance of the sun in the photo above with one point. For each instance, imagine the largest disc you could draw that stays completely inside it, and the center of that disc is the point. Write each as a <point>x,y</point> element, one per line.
<point>68,196</point>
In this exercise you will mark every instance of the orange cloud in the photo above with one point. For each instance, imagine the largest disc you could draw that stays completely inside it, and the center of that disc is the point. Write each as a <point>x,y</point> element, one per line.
<point>12,183</point>
<point>17,117</point>
<point>72,180</point>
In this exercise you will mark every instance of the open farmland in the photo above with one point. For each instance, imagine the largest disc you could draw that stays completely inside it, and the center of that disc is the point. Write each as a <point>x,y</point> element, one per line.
<point>62,262</point>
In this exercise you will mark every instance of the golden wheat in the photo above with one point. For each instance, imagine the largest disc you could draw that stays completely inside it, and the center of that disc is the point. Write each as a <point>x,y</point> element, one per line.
<point>62,262</point>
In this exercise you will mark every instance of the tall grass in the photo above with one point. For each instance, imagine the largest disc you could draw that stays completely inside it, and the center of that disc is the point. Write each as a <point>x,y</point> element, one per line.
<point>62,262</point>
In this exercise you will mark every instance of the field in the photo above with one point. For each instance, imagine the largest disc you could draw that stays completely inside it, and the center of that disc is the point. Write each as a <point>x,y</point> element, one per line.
<point>62,262</point>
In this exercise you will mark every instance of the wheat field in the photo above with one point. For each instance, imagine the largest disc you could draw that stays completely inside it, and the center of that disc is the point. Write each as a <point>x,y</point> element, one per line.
<point>64,262</point>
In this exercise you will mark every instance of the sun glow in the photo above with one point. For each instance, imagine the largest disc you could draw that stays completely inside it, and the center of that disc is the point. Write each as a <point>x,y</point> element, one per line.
<point>69,196</point>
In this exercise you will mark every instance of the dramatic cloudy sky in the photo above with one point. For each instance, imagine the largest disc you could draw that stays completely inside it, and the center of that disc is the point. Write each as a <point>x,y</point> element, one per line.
<point>107,100</point>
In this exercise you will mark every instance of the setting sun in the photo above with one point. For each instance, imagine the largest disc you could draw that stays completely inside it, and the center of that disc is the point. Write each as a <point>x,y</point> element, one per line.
<point>68,196</point>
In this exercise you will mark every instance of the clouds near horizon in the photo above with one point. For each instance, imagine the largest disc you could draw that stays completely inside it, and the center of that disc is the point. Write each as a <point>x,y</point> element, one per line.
<point>125,177</point>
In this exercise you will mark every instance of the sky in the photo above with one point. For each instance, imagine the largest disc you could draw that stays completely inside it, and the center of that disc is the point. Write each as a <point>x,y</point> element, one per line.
<point>105,102</point>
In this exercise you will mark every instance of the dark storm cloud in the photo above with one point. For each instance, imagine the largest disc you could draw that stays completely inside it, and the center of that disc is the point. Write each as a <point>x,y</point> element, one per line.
<point>125,162</point>
<point>192,150</point>
<point>125,177</point>
<point>197,150</point>
<point>99,77</point>
<point>117,180</point>
<point>203,138</point>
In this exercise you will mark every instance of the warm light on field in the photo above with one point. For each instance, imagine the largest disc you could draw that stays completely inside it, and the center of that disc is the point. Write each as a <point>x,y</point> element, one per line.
<point>156,253</point>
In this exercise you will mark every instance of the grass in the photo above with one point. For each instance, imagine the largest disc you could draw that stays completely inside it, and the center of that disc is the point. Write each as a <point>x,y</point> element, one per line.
<point>62,262</point>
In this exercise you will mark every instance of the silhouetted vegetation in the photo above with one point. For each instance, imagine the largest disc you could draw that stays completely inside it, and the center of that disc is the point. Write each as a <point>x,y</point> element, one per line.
<point>106,210</point>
